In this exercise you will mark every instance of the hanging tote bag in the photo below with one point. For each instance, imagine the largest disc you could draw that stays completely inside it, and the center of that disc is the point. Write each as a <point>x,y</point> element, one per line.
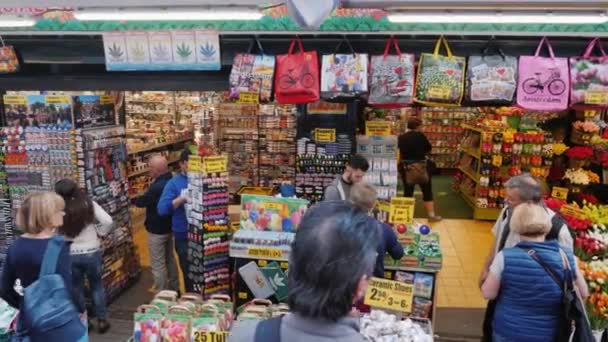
<point>543,83</point>
<point>440,79</point>
<point>297,76</point>
<point>491,78</point>
<point>344,76</point>
<point>391,80</point>
<point>8,59</point>
<point>252,75</point>
<point>589,77</point>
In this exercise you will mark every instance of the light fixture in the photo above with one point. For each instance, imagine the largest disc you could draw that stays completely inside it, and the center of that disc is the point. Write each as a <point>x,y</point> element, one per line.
<point>16,21</point>
<point>175,13</point>
<point>499,17</point>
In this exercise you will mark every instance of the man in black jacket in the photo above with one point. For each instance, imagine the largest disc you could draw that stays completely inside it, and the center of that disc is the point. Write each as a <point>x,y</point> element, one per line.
<point>160,236</point>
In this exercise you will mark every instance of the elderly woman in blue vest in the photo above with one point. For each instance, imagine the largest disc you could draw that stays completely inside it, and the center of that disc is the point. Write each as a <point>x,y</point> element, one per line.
<point>529,301</point>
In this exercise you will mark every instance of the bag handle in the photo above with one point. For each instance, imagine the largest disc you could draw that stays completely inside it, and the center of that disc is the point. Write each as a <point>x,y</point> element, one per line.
<point>492,45</point>
<point>445,45</point>
<point>146,308</point>
<point>350,47</point>
<point>387,46</point>
<point>549,47</point>
<point>292,45</point>
<point>51,255</point>
<point>592,44</point>
<point>255,41</point>
<point>2,41</point>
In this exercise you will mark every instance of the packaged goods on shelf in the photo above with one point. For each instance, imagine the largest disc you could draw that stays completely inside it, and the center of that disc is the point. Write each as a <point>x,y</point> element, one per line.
<point>443,127</point>
<point>277,130</point>
<point>381,153</point>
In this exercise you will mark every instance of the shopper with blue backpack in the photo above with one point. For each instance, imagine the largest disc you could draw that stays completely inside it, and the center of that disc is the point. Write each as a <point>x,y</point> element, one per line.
<point>37,276</point>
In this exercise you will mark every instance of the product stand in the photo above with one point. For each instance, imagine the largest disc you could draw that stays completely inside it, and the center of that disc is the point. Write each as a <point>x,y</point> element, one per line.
<point>104,160</point>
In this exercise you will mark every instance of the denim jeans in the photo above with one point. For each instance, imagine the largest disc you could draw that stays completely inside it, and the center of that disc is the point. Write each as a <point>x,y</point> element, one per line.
<point>89,266</point>
<point>181,248</point>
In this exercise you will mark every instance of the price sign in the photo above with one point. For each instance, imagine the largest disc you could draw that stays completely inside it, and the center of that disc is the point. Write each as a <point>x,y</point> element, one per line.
<point>590,113</point>
<point>273,206</point>
<point>402,210</point>
<point>559,193</point>
<point>195,164</point>
<point>249,97</point>
<point>215,164</point>
<point>325,135</point>
<point>573,211</point>
<point>390,295</point>
<point>377,128</point>
<point>442,93</point>
<point>596,97</point>
<point>211,336</point>
<point>15,99</point>
<point>383,206</point>
<point>261,252</point>
<point>106,99</point>
<point>57,99</point>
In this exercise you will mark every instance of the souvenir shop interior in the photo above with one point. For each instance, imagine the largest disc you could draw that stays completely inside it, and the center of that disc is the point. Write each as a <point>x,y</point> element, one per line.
<point>274,124</point>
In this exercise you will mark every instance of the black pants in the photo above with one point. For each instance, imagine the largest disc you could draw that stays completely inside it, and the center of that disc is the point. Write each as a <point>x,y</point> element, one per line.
<point>487,321</point>
<point>427,190</point>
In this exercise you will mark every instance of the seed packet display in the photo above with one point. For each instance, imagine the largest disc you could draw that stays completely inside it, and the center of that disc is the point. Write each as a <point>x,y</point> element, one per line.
<point>256,281</point>
<point>147,324</point>
<point>176,325</point>
<point>421,307</point>
<point>492,79</point>
<point>423,285</point>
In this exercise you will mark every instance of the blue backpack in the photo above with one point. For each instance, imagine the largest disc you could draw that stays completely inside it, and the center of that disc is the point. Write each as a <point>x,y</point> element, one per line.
<point>47,312</point>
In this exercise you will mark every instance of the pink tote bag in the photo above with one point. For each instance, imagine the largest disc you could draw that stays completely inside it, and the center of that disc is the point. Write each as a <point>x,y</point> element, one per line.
<point>544,82</point>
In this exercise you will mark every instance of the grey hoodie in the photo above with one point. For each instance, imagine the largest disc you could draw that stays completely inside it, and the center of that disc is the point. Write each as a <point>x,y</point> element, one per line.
<point>332,192</point>
<point>295,328</point>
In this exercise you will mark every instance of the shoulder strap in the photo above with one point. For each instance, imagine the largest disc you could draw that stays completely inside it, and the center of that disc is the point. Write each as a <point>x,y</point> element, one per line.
<point>505,230</point>
<point>51,255</point>
<point>532,253</point>
<point>341,191</point>
<point>269,330</point>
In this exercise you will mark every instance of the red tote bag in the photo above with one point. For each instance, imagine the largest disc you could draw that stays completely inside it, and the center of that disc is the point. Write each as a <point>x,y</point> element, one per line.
<point>297,76</point>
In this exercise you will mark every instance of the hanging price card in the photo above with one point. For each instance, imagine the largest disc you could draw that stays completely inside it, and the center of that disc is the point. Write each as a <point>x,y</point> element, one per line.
<point>15,99</point>
<point>195,164</point>
<point>249,97</point>
<point>402,210</point>
<point>210,336</point>
<point>559,193</point>
<point>262,252</point>
<point>590,113</point>
<point>389,294</point>
<point>325,135</point>
<point>377,128</point>
<point>57,99</point>
<point>215,164</point>
<point>106,99</point>
<point>442,93</point>
<point>596,97</point>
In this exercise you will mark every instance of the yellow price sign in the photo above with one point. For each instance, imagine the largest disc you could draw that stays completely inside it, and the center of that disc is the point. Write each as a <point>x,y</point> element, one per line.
<point>261,252</point>
<point>210,336</point>
<point>15,99</point>
<point>273,206</point>
<point>262,263</point>
<point>377,128</point>
<point>573,211</point>
<point>57,99</point>
<point>596,97</point>
<point>195,164</point>
<point>383,206</point>
<point>439,92</point>
<point>215,164</point>
<point>590,113</point>
<point>106,99</point>
<point>402,210</point>
<point>325,135</point>
<point>559,193</point>
<point>249,97</point>
<point>243,295</point>
<point>389,294</point>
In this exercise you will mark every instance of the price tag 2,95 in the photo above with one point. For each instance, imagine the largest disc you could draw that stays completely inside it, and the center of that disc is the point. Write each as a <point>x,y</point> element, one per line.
<point>390,295</point>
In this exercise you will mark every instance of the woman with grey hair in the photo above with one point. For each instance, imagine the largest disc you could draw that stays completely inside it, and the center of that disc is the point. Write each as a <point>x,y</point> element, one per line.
<point>332,259</point>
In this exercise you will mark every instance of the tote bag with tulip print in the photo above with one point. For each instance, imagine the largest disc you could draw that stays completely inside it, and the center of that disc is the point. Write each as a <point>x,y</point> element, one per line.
<point>440,78</point>
<point>589,77</point>
<point>543,81</point>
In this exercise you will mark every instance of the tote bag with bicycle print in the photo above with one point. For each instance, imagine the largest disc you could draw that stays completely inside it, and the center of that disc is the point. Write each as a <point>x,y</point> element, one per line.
<point>391,82</point>
<point>544,82</point>
<point>297,76</point>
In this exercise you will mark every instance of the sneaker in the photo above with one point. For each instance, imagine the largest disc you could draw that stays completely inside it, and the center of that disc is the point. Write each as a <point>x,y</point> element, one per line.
<point>435,218</point>
<point>102,326</point>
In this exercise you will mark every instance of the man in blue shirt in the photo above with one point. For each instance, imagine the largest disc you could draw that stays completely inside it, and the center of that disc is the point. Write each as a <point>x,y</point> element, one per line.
<point>171,203</point>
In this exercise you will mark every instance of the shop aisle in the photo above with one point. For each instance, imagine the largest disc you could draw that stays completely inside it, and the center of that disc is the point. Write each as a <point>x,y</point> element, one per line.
<point>448,204</point>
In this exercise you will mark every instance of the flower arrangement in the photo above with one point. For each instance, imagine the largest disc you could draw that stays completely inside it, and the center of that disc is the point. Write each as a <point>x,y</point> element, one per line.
<point>598,214</point>
<point>597,309</point>
<point>579,152</point>
<point>559,148</point>
<point>554,204</point>
<point>600,141</point>
<point>587,198</point>
<point>593,177</point>
<point>596,274</point>
<point>586,126</point>
<point>579,176</point>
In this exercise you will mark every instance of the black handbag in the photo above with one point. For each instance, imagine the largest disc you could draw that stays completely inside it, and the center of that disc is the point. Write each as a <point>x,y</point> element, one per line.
<point>574,325</point>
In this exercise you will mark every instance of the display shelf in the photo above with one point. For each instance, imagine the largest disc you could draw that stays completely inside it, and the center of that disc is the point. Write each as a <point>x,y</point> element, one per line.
<point>156,147</point>
<point>470,152</point>
<point>277,148</point>
<point>143,172</point>
<point>469,173</point>
<point>409,269</point>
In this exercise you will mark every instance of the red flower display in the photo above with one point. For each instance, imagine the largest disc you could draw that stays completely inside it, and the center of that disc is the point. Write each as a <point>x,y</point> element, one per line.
<point>579,152</point>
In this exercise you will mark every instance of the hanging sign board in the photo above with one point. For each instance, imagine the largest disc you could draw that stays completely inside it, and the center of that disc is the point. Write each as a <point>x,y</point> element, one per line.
<point>377,128</point>
<point>215,164</point>
<point>390,295</point>
<point>162,50</point>
<point>195,164</point>
<point>559,193</point>
<point>402,210</point>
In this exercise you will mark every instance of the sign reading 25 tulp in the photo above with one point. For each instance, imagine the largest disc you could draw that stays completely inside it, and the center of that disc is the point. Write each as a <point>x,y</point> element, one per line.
<point>162,50</point>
